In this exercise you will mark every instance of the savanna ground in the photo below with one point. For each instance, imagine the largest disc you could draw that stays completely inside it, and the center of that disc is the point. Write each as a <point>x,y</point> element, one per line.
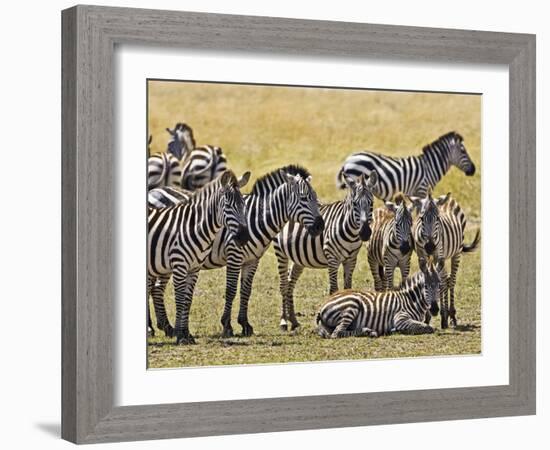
<point>263,128</point>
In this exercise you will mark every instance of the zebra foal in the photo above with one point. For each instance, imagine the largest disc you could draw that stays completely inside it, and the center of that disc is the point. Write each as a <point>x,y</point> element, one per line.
<point>347,226</point>
<point>413,175</point>
<point>355,313</point>
<point>391,243</point>
<point>180,238</point>
<point>438,233</point>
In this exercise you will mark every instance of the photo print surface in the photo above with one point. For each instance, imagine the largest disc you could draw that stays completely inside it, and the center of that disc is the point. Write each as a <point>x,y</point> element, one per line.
<point>298,224</point>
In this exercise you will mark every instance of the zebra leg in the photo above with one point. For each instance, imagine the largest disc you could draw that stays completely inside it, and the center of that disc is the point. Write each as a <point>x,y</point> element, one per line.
<point>150,329</point>
<point>389,269</point>
<point>455,263</point>
<point>295,273</point>
<point>405,325</point>
<point>282,268</point>
<point>443,300</point>
<point>349,268</point>
<point>333,265</point>
<point>247,277</point>
<point>375,271</point>
<point>184,284</point>
<point>234,261</point>
<point>346,319</point>
<point>157,292</point>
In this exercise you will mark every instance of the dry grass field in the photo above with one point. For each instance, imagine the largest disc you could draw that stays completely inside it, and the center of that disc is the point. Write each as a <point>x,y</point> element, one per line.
<point>262,128</point>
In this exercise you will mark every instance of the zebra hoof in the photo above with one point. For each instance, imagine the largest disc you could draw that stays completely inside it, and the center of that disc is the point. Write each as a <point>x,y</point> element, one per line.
<point>185,340</point>
<point>169,331</point>
<point>283,327</point>
<point>373,334</point>
<point>294,326</point>
<point>150,332</point>
<point>247,330</point>
<point>227,333</point>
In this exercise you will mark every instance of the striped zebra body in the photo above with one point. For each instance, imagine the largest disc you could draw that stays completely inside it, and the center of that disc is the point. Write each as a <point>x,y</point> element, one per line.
<point>202,165</point>
<point>167,196</point>
<point>282,195</point>
<point>413,175</point>
<point>180,238</point>
<point>347,226</point>
<point>163,169</point>
<point>355,313</point>
<point>438,233</point>
<point>391,243</point>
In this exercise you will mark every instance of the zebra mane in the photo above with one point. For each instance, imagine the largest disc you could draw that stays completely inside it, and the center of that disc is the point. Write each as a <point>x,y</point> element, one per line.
<point>274,177</point>
<point>445,137</point>
<point>411,282</point>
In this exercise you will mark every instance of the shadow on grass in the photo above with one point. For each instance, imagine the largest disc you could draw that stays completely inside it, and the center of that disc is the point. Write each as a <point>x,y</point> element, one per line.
<point>467,327</point>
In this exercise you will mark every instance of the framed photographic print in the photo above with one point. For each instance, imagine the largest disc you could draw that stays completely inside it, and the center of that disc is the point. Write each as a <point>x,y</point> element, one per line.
<point>290,215</point>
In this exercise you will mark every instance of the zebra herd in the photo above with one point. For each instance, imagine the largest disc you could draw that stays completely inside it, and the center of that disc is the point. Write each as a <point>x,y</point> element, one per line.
<point>198,219</point>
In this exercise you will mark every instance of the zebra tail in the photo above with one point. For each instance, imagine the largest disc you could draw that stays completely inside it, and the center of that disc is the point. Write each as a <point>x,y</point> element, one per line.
<point>473,246</point>
<point>322,330</point>
<point>340,184</point>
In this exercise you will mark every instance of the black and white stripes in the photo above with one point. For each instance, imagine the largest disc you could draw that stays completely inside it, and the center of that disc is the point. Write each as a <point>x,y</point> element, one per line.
<point>413,175</point>
<point>347,226</point>
<point>369,313</point>
<point>180,238</point>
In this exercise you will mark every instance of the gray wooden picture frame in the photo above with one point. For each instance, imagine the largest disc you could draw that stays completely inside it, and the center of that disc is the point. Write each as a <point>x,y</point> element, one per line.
<point>90,34</point>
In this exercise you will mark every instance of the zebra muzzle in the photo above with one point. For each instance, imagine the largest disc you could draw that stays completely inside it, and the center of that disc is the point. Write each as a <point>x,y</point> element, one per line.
<point>241,236</point>
<point>365,232</point>
<point>429,247</point>
<point>317,227</point>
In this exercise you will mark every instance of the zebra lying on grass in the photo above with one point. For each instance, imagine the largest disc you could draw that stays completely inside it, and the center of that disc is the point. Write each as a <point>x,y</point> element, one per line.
<point>163,169</point>
<point>180,238</point>
<point>347,226</point>
<point>280,196</point>
<point>413,175</point>
<point>438,232</point>
<point>391,243</point>
<point>355,313</point>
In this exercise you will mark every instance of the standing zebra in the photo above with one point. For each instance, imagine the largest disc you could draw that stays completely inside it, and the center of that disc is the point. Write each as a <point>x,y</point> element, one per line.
<point>180,238</point>
<point>347,225</point>
<point>391,243</point>
<point>164,169</point>
<point>202,165</point>
<point>438,232</point>
<point>355,313</point>
<point>280,196</point>
<point>413,175</point>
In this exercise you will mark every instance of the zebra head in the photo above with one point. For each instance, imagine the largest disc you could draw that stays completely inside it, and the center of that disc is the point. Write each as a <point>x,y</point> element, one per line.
<point>232,207</point>
<point>359,202</point>
<point>458,156</point>
<point>181,141</point>
<point>432,283</point>
<point>302,202</point>
<point>402,222</point>
<point>428,232</point>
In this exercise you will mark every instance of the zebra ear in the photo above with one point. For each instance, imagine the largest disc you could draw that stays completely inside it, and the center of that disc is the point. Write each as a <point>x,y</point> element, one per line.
<point>150,139</point>
<point>422,264</point>
<point>226,178</point>
<point>349,180</point>
<point>373,179</point>
<point>390,206</point>
<point>416,201</point>
<point>172,133</point>
<point>244,179</point>
<point>308,179</point>
<point>443,199</point>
